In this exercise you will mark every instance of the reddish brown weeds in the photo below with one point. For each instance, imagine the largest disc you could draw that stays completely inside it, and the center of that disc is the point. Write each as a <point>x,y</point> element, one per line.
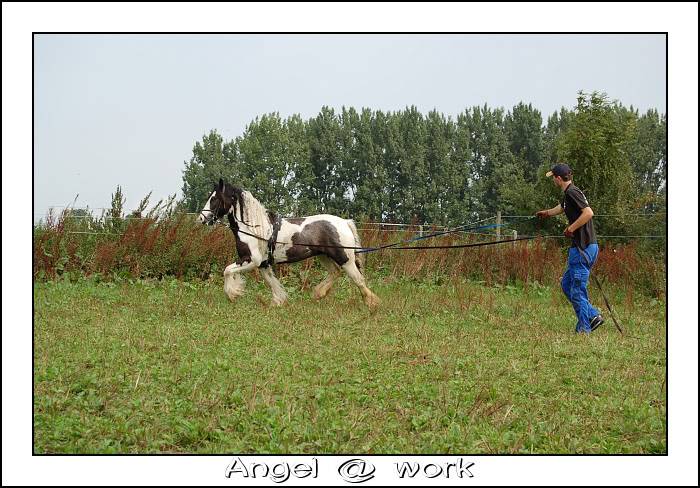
<point>181,247</point>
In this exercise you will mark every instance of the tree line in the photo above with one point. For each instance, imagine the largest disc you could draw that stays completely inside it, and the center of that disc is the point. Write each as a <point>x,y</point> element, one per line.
<point>406,166</point>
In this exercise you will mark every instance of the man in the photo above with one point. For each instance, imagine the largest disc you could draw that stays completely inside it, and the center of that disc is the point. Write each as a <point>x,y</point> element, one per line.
<point>580,229</point>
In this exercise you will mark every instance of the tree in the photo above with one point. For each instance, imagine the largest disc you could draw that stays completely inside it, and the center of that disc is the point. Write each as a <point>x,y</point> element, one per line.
<point>264,164</point>
<point>204,168</point>
<point>368,175</point>
<point>445,173</point>
<point>325,156</point>
<point>413,171</point>
<point>649,157</point>
<point>557,123</point>
<point>463,160</point>
<point>523,128</point>
<point>391,161</point>
<point>594,145</point>
<point>515,194</point>
<point>403,166</point>
<point>489,152</point>
<point>299,165</point>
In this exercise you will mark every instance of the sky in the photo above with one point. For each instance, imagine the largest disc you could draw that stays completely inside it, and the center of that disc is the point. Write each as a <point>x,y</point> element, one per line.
<point>127,109</point>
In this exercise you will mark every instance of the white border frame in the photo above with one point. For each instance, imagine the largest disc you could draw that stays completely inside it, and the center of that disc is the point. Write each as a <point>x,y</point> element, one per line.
<point>680,20</point>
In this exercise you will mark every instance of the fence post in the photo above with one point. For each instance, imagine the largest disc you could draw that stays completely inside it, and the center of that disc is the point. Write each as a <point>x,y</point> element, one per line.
<point>515,236</point>
<point>420,232</point>
<point>498,224</point>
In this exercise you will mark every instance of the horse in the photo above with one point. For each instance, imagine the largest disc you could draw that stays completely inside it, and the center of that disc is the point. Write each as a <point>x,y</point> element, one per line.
<point>264,238</point>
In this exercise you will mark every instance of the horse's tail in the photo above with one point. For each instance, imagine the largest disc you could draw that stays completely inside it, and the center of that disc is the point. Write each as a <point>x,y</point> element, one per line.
<point>359,258</point>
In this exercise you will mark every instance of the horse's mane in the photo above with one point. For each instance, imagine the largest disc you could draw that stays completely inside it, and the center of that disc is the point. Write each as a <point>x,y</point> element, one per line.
<point>248,210</point>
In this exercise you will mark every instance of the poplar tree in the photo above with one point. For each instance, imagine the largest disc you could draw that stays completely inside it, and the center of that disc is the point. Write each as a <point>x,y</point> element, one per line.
<point>204,168</point>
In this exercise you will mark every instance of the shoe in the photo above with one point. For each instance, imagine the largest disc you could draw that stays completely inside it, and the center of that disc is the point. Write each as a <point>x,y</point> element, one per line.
<point>597,322</point>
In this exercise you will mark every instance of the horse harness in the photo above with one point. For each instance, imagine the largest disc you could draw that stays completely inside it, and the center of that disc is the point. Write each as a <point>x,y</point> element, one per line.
<point>276,224</point>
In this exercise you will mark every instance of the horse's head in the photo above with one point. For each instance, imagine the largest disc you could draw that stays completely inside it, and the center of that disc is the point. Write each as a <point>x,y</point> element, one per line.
<point>217,206</point>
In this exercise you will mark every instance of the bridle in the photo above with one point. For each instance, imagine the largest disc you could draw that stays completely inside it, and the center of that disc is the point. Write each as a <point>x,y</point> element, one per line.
<point>214,218</point>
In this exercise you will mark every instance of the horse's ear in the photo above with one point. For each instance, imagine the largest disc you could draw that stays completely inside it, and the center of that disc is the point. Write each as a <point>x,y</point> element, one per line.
<point>221,184</point>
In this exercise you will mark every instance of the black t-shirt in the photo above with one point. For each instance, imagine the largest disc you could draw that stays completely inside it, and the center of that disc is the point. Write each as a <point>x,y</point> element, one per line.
<point>573,203</point>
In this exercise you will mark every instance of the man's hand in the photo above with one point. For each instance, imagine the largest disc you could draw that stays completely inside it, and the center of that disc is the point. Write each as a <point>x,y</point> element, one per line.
<point>543,214</point>
<point>568,232</point>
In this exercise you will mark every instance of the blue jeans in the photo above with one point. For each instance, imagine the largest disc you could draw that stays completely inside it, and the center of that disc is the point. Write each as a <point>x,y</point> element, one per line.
<point>574,283</point>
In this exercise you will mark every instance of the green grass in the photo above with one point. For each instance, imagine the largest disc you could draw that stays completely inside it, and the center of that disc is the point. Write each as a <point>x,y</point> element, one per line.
<point>442,367</point>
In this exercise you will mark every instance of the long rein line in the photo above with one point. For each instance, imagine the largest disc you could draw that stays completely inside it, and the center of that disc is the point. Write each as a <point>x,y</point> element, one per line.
<point>397,245</point>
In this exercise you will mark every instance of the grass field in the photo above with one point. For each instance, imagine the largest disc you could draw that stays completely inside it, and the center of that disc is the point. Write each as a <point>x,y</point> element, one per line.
<point>444,366</point>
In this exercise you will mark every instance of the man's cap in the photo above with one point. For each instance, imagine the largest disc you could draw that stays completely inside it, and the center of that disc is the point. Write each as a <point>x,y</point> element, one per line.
<point>560,169</point>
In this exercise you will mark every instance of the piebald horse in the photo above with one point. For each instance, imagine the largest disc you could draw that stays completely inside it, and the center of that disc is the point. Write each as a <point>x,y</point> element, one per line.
<point>263,238</point>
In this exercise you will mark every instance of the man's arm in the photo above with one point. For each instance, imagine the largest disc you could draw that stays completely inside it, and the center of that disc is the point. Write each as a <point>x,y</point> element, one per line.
<point>543,214</point>
<point>586,215</point>
<point>586,211</point>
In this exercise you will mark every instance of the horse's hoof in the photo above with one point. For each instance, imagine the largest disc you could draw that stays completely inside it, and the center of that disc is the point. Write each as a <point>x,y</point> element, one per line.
<point>234,286</point>
<point>373,303</point>
<point>321,291</point>
<point>232,293</point>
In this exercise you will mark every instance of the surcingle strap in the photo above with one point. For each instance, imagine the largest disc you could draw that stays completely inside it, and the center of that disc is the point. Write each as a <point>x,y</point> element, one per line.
<point>276,224</point>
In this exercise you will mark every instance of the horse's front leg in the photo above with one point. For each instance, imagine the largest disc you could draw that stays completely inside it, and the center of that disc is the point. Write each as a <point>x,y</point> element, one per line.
<point>233,279</point>
<point>279,295</point>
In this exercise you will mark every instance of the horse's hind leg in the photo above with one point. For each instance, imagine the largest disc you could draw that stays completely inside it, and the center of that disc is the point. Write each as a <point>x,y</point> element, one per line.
<point>322,289</point>
<point>279,295</point>
<point>371,300</point>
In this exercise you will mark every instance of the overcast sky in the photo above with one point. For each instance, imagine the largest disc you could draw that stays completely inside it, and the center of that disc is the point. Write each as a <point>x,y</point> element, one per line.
<point>126,109</point>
